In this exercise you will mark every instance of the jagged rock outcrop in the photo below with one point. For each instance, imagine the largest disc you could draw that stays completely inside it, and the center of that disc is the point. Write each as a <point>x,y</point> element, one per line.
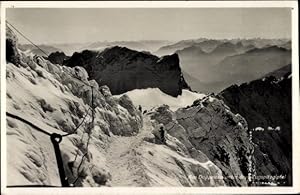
<point>196,169</point>
<point>52,98</point>
<point>57,57</point>
<point>209,130</point>
<point>122,70</point>
<point>12,54</point>
<point>266,103</point>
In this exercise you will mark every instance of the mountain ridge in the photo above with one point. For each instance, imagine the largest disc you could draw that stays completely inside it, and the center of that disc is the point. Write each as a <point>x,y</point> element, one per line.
<point>123,69</point>
<point>266,105</point>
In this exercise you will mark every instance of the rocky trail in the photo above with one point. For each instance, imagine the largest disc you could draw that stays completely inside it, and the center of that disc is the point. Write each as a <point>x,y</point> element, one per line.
<point>122,156</point>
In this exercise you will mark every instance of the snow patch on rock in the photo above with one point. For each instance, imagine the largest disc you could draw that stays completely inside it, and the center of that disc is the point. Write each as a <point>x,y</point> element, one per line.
<point>154,97</point>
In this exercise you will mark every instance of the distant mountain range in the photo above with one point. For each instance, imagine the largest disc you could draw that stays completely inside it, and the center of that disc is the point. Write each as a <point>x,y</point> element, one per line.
<point>229,63</point>
<point>31,49</point>
<point>144,45</point>
<point>157,47</point>
<point>208,45</point>
<point>251,65</point>
<point>70,48</point>
<point>208,65</point>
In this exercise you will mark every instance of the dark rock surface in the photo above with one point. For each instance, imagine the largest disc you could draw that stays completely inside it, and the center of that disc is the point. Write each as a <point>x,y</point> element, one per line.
<point>122,70</point>
<point>57,57</point>
<point>12,54</point>
<point>267,103</point>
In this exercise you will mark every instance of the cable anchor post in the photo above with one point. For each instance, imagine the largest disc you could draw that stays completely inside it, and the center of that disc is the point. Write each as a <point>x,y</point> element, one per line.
<point>56,139</point>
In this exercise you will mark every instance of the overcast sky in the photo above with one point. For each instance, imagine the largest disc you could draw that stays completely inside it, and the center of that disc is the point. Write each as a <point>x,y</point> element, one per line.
<point>62,25</point>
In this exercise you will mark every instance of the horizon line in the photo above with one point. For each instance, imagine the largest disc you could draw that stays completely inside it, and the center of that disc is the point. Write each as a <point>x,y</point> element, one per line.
<point>166,40</point>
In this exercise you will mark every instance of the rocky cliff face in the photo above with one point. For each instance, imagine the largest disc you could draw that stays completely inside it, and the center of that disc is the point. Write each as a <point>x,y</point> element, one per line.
<point>266,105</point>
<point>209,130</point>
<point>123,70</point>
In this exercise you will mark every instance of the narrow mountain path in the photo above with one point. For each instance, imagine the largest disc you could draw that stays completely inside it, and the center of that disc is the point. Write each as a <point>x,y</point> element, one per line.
<point>122,158</point>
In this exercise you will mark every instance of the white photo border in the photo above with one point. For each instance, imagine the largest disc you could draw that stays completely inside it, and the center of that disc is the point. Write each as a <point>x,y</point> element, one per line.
<point>159,4</point>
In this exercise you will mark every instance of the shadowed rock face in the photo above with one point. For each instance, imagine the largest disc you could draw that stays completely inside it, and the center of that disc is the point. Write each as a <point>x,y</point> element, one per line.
<point>123,70</point>
<point>57,57</point>
<point>12,54</point>
<point>266,103</point>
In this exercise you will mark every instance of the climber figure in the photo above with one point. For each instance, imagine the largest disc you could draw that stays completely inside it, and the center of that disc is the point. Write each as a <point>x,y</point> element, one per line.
<point>140,108</point>
<point>77,72</point>
<point>162,134</point>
